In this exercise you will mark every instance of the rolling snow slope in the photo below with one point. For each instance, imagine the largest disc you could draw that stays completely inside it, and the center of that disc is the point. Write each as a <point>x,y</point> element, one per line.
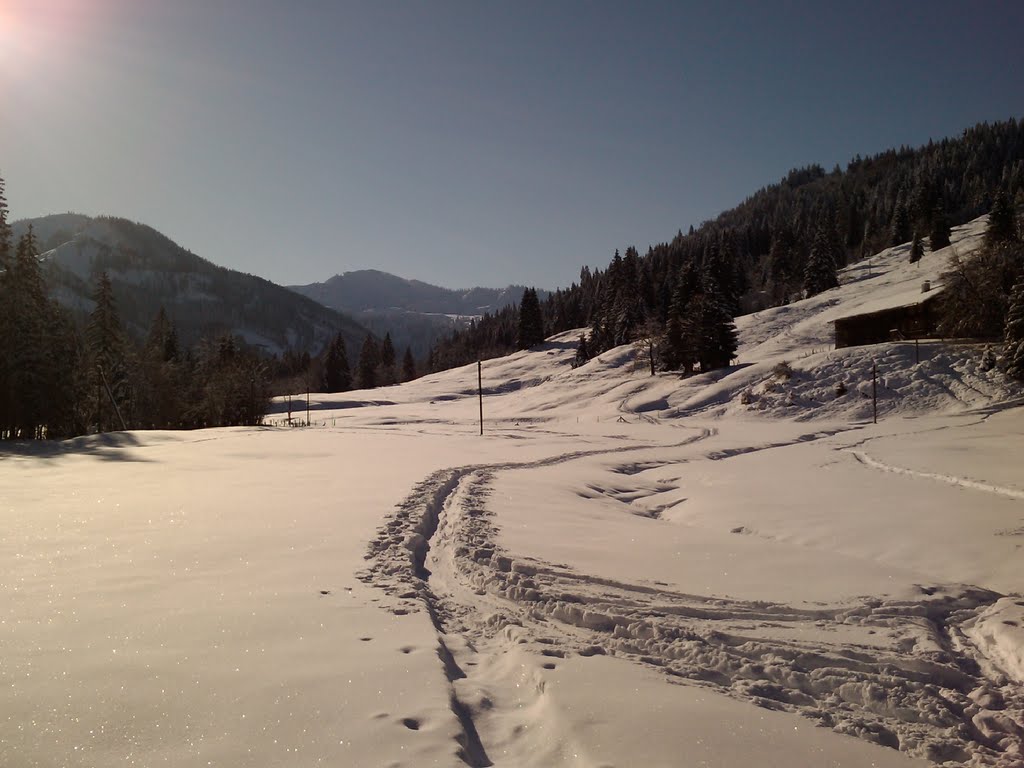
<point>723,570</point>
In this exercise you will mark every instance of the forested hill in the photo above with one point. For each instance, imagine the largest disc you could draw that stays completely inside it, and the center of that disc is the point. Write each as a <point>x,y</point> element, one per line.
<point>371,289</point>
<point>416,314</point>
<point>773,246</point>
<point>147,270</point>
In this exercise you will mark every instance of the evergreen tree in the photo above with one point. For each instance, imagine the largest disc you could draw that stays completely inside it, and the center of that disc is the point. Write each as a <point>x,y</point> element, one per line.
<point>939,235</point>
<point>107,348</point>
<point>531,322</point>
<point>6,302</point>
<point>678,349</point>
<point>1014,332</point>
<point>159,389</point>
<point>820,273</point>
<point>1002,227</point>
<point>369,361</point>
<point>233,385</point>
<point>6,235</point>
<point>337,377</point>
<point>582,353</point>
<point>784,277</point>
<point>706,334</point>
<point>39,349</point>
<point>901,223</point>
<point>29,370</point>
<point>916,249</point>
<point>66,387</point>
<point>387,359</point>
<point>408,365</point>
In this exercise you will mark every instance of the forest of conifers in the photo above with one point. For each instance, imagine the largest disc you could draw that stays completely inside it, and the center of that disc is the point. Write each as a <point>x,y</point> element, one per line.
<point>782,243</point>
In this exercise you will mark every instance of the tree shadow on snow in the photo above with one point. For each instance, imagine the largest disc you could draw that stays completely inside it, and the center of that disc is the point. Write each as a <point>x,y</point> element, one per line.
<point>109,446</point>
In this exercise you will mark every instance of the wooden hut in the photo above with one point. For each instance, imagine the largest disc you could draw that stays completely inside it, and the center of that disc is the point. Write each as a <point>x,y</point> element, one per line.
<point>917,320</point>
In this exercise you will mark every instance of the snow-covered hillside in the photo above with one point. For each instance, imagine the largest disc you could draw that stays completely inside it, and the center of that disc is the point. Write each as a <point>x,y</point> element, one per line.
<point>730,569</point>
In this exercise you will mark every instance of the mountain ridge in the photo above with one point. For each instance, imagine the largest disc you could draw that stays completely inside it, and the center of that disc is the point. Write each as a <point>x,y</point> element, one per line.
<point>375,289</point>
<point>417,314</point>
<point>148,270</point>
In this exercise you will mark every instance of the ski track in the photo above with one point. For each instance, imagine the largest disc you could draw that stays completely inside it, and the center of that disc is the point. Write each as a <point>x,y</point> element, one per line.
<point>974,485</point>
<point>901,674</point>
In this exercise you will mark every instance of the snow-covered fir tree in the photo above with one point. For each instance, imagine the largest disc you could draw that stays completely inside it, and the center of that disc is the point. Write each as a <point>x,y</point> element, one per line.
<point>1014,333</point>
<point>820,274</point>
<point>916,249</point>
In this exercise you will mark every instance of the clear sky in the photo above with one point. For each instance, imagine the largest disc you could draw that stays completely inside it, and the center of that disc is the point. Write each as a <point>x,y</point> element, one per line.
<point>467,143</point>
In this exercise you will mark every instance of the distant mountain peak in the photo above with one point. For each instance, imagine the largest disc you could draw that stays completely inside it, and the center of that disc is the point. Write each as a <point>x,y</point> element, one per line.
<point>372,289</point>
<point>149,270</point>
<point>415,313</point>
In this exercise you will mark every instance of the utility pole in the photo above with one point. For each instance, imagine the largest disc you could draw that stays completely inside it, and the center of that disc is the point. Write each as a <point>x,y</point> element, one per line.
<point>874,392</point>
<point>480,392</point>
<point>307,403</point>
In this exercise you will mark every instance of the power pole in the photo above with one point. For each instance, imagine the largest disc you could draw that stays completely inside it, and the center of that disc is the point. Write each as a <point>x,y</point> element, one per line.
<point>874,392</point>
<point>480,392</point>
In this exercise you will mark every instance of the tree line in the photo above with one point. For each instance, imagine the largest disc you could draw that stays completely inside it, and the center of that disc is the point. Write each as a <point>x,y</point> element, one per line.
<point>783,243</point>
<point>59,380</point>
<point>375,366</point>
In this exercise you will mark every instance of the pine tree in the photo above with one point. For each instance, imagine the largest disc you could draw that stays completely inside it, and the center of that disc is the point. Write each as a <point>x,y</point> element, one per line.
<point>820,273</point>
<point>582,353</point>
<point>706,332</point>
<point>369,360</point>
<point>1002,228</point>
<point>6,302</point>
<point>1014,332</point>
<point>107,350</point>
<point>387,359</point>
<point>408,365</point>
<point>900,221</point>
<point>337,377</point>
<point>66,387</point>
<point>783,274</point>
<point>531,322</point>
<point>6,235</point>
<point>939,235</point>
<point>39,349</point>
<point>916,249</point>
<point>29,371</point>
<point>678,348</point>
<point>159,388</point>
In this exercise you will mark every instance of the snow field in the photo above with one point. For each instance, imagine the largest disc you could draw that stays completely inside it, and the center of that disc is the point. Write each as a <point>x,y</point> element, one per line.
<point>733,568</point>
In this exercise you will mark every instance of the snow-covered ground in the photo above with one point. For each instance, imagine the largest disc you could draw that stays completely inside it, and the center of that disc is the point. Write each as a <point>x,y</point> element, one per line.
<point>726,570</point>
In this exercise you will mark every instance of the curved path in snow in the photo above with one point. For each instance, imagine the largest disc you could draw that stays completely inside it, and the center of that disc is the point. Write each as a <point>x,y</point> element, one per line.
<point>974,485</point>
<point>899,673</point>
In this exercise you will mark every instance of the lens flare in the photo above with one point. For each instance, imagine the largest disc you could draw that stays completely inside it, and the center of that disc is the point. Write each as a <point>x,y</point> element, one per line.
<point>35,33</point>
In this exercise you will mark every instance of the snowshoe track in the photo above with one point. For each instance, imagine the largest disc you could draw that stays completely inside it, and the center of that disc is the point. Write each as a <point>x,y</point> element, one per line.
<point>901,674</point>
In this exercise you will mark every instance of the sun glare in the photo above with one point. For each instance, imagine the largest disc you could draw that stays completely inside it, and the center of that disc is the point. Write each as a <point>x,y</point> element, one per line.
<point>33,32</point>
